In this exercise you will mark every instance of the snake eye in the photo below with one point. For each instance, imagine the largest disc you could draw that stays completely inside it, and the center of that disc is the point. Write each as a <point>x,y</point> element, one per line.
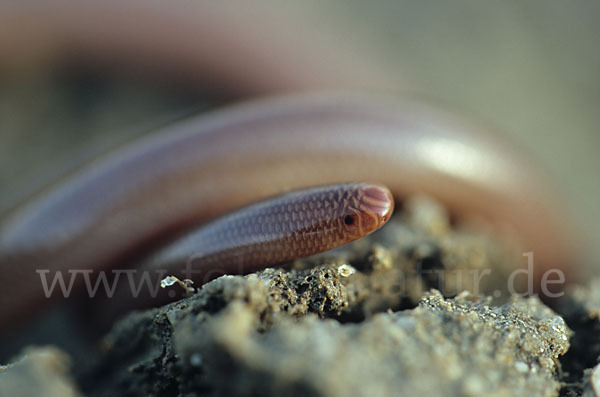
<point>349,220</point>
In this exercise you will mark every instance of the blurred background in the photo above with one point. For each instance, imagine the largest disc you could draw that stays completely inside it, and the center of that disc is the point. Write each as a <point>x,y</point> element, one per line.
<point>79,79</point>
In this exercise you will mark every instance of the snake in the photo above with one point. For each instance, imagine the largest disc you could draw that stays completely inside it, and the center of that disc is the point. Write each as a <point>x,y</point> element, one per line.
<point>263,182</point>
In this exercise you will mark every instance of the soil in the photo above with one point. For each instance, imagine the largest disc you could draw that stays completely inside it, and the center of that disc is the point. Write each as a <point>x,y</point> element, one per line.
<point>421,307</point>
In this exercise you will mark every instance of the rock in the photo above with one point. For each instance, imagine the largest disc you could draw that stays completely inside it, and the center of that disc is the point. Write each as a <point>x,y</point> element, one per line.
<point>39,371</point>
<point>251,346</point>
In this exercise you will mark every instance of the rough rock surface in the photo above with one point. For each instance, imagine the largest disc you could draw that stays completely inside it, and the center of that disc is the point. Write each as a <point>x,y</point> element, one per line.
<point>448,346</point>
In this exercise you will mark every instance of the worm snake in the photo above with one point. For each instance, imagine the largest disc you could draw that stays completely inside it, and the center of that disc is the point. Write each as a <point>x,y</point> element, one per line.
<point>149,192</point>
<point>294,225</point>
